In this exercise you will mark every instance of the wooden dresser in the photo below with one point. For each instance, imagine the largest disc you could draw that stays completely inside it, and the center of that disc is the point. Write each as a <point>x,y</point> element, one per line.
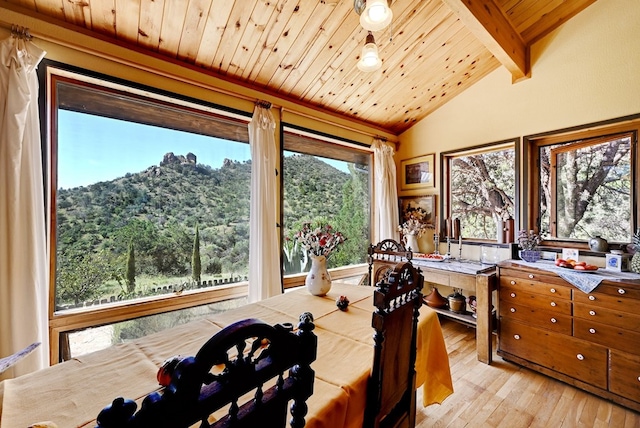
<point>591,341</point>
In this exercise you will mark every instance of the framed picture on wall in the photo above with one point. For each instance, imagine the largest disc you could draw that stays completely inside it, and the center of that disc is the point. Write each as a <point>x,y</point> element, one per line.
<point>422,208</point>
<point>418,173</point>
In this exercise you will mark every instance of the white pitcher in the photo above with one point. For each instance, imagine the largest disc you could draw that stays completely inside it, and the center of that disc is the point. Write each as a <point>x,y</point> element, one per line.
<point>411,242</point>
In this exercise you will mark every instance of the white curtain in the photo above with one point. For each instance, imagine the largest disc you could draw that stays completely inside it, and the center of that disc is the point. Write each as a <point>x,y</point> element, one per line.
<point>264,249</point>
<point>23,255</point>
<point>386,193</point>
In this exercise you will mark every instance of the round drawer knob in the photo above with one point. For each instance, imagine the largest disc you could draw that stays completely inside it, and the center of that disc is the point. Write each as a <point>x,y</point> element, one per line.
<point>512,309</point>
<point>592,313</point>
<point>592,330</point>
<point>553,320</point>
<point>580,357</point>
<point>512,294</point>
<point>592,297</point>
<point>516,336</point>
<point>531,276</point>
<point>553,290</point>
<point>638,378</point>
<point>621,291</point>
<point>554,304</point>
<point>513,282</point>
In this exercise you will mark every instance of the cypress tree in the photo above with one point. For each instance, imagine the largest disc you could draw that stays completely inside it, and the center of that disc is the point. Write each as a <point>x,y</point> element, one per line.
<point>131,269</point>
<point>196,267</point>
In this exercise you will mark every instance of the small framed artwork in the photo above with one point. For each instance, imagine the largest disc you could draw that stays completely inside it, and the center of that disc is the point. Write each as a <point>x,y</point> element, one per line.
<point>418,173</point>
<point>570,253</point>
<point>421,208</point>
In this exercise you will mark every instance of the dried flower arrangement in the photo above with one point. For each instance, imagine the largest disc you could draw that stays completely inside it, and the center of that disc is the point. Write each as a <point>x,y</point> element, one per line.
<point>320,240</point>
<point>528,240</point>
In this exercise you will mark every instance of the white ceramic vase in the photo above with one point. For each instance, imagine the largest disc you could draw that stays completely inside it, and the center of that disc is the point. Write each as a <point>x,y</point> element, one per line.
<point>318,280</point>
<point>411,242</point>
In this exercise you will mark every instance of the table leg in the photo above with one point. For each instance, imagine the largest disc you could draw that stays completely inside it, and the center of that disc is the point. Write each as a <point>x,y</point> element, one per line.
<point>484,327</point>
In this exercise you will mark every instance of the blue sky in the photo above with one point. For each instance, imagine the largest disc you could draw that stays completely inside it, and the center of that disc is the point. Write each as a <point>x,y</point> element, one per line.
<point>93,148</point>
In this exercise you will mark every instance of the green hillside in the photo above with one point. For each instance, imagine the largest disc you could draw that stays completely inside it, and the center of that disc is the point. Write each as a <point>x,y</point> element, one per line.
<point>157,210</point>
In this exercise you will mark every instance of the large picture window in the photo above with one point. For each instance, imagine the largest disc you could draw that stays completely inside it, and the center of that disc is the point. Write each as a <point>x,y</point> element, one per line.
<point>481,189</point>
<point>149,203</point>
<point>325,182</point>
<point>583,183</point>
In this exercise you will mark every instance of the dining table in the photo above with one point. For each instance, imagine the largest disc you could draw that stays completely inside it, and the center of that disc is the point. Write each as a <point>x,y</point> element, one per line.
<point>72,393</point>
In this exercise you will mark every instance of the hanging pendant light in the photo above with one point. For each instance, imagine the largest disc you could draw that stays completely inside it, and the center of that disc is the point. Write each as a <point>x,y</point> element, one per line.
<point>369,60</point>
<point>375,15</point>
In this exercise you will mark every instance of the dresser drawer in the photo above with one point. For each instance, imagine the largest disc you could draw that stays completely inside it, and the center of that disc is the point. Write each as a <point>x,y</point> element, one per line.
<point>524,277</point>
<point>537,317</point>
<point>607,335</point>
<point>624,375</point>
<point>523,297</point>
<point>628,290</point>
<point>592,312</point>
<point>623,301</point>
<point>576,358</point>
<point>547,289</point>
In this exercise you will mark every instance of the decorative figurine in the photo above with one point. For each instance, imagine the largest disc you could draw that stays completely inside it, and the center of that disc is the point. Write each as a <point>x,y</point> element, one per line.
<point>342,303</point>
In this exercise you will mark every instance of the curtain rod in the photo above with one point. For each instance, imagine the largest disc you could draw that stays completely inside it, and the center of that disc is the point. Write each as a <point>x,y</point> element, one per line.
<point>263,104</point>
<point>20,32</point>
<point>348,128</point>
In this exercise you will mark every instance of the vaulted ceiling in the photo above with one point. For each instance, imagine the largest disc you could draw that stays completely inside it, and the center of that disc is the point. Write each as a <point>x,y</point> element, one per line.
<point>306,51</point>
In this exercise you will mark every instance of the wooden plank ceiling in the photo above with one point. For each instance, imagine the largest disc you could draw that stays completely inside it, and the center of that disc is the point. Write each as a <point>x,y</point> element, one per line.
<point>306,50</point>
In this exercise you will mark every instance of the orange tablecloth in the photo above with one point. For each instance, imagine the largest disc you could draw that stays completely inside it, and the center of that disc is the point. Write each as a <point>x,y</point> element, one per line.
<point>72,393</point>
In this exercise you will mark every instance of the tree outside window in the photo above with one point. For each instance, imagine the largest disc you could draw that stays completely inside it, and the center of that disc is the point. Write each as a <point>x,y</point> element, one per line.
<point>585,189</point>
<point>482,190</point>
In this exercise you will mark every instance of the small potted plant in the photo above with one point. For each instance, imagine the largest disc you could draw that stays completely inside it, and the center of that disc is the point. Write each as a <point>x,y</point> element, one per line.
<point>528,241</point>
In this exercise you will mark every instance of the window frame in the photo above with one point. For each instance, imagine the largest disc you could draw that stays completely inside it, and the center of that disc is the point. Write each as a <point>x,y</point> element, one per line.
<point>61,323</point>
<point>333,143</point>
<point>590,133</point>
<point>445,182</point>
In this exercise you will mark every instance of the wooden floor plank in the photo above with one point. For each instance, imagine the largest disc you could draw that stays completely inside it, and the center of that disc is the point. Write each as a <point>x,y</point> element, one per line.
<point>507,395</point>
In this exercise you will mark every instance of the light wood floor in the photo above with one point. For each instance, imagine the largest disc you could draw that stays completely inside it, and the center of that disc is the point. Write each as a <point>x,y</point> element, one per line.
<point>507,395</point>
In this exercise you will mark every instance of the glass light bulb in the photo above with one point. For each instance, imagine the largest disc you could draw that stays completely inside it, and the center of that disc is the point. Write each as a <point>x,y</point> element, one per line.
<point>377,12</point>
<point>369,60</point>
<point>376,16</point>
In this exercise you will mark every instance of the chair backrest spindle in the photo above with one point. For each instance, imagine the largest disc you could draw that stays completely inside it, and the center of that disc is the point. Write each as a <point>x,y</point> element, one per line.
<point>246,355</point>
<point>383,257</point>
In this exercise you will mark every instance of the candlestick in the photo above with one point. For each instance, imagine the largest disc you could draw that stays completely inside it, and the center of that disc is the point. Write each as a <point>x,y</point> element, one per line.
<point>436,241</point>
<point>456,228</point>
<point>510,231</point>
<point>460,247</point>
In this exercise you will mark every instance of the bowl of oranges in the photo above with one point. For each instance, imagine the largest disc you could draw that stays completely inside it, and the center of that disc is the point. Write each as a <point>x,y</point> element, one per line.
<point>576,265</point>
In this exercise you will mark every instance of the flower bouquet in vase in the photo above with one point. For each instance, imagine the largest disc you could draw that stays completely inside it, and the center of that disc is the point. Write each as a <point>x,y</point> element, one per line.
<point>411,230</point>
<point>319,241</point>
<point>528,241</point>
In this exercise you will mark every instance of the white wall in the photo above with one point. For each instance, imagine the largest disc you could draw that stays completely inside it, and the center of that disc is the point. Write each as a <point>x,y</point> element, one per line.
<point>586,71</point>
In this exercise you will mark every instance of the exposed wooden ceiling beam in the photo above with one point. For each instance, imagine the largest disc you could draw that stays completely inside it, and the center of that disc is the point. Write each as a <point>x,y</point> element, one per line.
<point>487,22</point>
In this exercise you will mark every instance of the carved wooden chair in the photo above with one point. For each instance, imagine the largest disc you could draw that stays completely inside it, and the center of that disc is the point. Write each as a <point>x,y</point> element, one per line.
<point>240,360</point>
<point>391,394</point>
<point>383,257</point>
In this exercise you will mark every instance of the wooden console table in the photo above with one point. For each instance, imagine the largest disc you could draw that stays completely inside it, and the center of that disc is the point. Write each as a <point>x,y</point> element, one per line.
<point>475,277</point>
